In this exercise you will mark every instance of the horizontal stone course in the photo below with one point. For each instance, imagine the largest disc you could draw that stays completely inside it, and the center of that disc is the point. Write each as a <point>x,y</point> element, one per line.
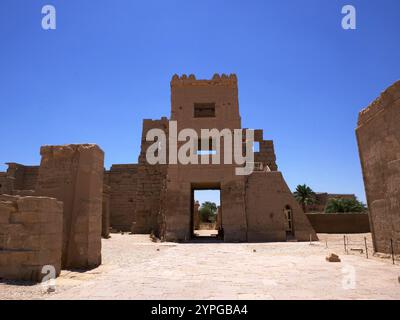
<point>30,236</point>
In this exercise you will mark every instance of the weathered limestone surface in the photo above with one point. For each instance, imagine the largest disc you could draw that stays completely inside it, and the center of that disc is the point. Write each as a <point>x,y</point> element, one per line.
<point>150,182</point>
<point>24,177</point>
<point>339,222</point>
<point>74,174</point>
<point>105,221</point>
<point>267,195</point>
<point>378,135</point>
<point>234,219</point>
<point>6,183</point>
<point>122,179</point>
<point>266,154</point>
<point>30,236</point>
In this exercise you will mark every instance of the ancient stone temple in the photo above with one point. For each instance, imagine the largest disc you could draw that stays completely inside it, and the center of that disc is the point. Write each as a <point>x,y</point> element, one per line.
<point>159,198</point>
<point>378,135</point>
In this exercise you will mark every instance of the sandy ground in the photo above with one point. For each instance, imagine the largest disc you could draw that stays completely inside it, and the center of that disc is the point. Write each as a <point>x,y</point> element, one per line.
<point>136,268</point>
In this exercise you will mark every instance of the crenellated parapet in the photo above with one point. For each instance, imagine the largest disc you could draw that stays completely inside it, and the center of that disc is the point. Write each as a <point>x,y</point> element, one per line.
<point>217,79</point>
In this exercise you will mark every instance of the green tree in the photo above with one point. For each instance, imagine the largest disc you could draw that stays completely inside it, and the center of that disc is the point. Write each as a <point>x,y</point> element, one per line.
<point>304,195</point>
<point>344,205</point>
<point>208,211</point>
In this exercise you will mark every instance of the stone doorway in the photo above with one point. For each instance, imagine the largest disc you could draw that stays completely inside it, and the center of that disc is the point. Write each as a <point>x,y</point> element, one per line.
<point>206,211</point>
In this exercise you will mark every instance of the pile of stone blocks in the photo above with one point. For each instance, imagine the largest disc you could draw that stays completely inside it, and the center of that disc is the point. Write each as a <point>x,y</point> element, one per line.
<point>30,236</point>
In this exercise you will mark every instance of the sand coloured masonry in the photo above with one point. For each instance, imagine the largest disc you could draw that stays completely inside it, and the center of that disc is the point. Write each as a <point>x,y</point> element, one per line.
<point>378,136</point>
<point>56,213</point>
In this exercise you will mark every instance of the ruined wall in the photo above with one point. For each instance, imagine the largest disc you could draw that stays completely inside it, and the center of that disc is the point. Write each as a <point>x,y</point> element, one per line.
<point>339,222</point>
<point>6,183</point>
<point>267,195</point>
<point>148,195</point>
<point>30,236</point>
<point>322,198</point>
<point>150,182</point>
<point>25,177</point>
<point>74,174</point>
<point>266,153</point>
<point>122,180</point>
<point>378,136</point>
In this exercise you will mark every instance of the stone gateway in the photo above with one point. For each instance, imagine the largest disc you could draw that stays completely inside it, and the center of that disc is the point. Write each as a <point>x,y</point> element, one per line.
<point>159,198</point>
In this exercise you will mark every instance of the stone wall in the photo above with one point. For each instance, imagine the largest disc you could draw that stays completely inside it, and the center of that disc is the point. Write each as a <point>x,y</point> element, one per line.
<point>234,218</point>
<point>6,183</point>
<point>30,236</point>
<point>74,174</point>
<point>122,180</point>
<point>339,222</point>
<point>322,198</point>
<point>378,136</point>
<point>266,153</point>
<point>25,177</point>
<point>150,182</point>
<point>267,195</point>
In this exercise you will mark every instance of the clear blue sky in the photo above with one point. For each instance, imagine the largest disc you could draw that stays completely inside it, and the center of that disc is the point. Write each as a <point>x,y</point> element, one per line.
<point>302,78</point>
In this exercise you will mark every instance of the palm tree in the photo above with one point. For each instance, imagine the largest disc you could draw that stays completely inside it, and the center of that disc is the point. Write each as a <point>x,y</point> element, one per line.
<point>304,196</point>
<point>344,205</point>
<point>208,211</point>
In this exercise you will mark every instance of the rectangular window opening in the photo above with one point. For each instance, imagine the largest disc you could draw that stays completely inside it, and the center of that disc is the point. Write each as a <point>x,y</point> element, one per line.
<point>204,110</point>
<point>256,146</point>
<point>209,150</point>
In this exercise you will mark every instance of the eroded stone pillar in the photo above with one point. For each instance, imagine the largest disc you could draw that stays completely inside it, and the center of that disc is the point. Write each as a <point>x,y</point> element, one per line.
<point>74,174</point>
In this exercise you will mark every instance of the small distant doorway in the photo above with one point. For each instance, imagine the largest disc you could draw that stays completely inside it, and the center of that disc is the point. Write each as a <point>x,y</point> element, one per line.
<point>206,212</point>
<point>289,222</point>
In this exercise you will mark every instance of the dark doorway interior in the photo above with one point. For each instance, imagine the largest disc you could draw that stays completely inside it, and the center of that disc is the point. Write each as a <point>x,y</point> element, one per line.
<point>289,222</point>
